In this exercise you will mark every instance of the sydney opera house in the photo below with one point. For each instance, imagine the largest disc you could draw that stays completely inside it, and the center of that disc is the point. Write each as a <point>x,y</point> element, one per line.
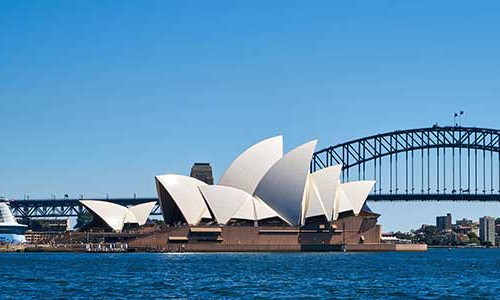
<point>266,201</point>
<point>263,186</point>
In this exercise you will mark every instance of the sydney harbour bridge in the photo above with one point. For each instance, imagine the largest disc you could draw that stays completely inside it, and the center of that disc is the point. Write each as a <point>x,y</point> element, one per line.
<point>424,164</point>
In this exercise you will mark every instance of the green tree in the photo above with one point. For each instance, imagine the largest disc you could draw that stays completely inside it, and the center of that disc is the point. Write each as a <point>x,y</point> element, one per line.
<point>475,241</point>
<point>471,235</point>
<point>428,235</point>
<point>473,238</point>
<point>430,230</point>
<point>487,243</point>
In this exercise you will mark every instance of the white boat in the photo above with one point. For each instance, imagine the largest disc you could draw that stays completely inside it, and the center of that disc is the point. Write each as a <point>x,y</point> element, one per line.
<point>10,231</point>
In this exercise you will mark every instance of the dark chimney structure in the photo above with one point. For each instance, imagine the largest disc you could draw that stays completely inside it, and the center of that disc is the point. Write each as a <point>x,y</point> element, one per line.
<point>203,172</point>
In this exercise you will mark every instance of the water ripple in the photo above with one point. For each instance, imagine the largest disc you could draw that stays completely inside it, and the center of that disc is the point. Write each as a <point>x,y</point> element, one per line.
<point>438,274</point>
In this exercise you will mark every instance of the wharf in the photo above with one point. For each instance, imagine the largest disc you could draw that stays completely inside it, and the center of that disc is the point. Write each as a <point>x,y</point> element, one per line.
<point>187,248</point>
<point>12,248</point>
<point>265,239</point>
<point>231,248</point>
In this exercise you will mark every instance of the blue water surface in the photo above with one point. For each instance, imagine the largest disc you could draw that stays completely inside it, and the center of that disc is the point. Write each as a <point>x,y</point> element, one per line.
<point>456,274</point>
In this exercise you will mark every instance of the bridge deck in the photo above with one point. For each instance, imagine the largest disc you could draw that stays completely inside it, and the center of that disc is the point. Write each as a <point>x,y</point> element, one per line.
<point>72,208</point>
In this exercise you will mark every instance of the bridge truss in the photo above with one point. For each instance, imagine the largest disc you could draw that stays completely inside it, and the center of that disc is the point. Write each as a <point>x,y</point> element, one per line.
<point>43,209</point>
<point>437,163</point>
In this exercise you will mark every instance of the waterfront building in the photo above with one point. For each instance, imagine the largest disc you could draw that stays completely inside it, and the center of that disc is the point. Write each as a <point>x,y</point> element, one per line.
<point>465,229</point>
<point>443,223</point>
<point>475,229</point>
<point>487,229</point>
<point>110,216</point>
<point>202,172</point>
<point>40,237</point>
<point>466,226</point>
<point>263,184</point>
<point>267,200</point>
<point>10,230</point>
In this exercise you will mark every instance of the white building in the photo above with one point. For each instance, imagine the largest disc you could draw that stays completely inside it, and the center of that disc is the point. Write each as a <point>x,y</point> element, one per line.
<point>261,186</point>
<point>487,229</point>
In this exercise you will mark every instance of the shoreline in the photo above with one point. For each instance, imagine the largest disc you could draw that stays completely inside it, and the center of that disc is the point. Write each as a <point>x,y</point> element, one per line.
<point>349,248</point>
<point>241,248</point>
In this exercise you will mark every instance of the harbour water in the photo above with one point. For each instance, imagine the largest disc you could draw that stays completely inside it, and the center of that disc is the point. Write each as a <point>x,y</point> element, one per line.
<point>438,273</point>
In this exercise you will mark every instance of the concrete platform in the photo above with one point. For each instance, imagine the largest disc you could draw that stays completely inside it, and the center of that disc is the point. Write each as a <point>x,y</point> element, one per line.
<point>386,248</point>
<point>288,248</point>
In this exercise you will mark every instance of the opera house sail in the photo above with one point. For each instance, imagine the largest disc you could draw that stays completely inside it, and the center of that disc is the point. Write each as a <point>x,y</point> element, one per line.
<point>109,216</point>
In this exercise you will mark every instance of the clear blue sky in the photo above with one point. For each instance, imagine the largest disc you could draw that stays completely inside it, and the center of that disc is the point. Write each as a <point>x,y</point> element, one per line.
<point>98,97</point>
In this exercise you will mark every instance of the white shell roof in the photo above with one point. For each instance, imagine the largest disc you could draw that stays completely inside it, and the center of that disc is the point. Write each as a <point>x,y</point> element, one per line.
<point>228,203</point>
<point>249,167</point>
<point>113,214</point>
<point>357,192</point>
<point>263,211</point>
<point>142,211</point>
<point>225,201</point>
<point>184,191</point>
<point>282,187</point>
<point>342,204</point>
<point>116,215</point>
<point>314,204</point>
<point>246,210</point>
<point>326,182</point>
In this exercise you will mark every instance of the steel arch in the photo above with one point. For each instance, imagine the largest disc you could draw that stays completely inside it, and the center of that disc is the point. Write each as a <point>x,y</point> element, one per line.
<point>376,148</point>
<point>421,138</point>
